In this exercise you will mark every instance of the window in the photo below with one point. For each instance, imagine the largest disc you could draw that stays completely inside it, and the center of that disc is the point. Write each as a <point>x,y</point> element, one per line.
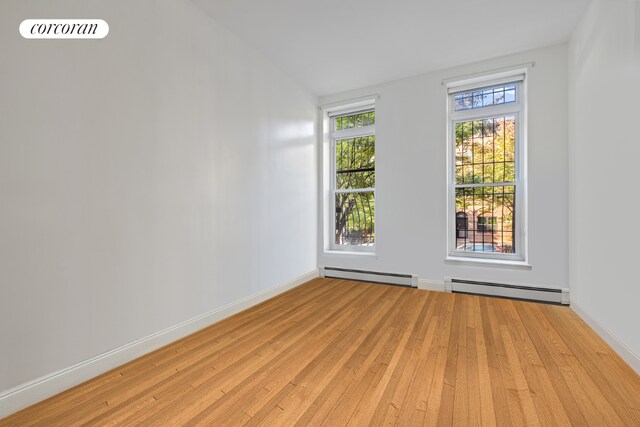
<point>486,184</point>
<point>353,147</point>
<point>486,223</point>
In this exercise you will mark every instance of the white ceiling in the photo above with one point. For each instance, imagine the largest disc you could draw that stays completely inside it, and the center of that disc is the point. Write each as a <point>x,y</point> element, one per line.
<point>335,45</point>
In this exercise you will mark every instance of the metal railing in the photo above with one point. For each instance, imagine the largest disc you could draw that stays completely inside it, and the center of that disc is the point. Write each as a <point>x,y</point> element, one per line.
<point>355,212</point>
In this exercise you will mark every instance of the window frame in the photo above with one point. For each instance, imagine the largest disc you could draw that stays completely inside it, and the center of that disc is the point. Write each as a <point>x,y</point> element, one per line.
<point>335,135</point>
<point>518,110</point>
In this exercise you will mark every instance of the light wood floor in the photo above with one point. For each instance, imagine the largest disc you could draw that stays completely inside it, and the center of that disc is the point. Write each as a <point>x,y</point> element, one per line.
<point>346,353</point>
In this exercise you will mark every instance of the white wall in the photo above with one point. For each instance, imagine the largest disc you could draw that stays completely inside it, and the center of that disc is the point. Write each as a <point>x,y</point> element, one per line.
<point>145,178</point>
<point>604,106</point>
<point>411,179</point>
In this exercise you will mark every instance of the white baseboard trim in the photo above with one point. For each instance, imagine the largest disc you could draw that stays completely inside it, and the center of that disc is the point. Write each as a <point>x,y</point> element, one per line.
<point>618,346</point>
<point>27,394</point>
<point>431,285</point>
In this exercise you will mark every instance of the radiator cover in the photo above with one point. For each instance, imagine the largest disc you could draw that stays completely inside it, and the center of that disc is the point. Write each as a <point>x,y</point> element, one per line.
<point>505,290</point>
<point>408,280</point>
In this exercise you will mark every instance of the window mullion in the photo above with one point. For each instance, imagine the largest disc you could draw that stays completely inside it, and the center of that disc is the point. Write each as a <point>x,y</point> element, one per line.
<point>484,113</point>
<point>354,190</point>
<point>354,133</point>
<point>487,184</point>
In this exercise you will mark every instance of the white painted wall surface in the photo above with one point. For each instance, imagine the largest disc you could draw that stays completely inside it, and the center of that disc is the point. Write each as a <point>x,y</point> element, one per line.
<point>604,76</point>
<point>145,178</point>
<point>411,181</point>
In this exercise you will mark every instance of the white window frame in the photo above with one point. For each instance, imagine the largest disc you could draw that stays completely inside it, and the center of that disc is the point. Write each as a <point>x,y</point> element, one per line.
<point>518,109</point>
<point>335,135</point>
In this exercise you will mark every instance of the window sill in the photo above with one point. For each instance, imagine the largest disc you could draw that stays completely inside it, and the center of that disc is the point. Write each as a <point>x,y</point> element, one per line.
<point>496,263</point>
<point>350,253</point>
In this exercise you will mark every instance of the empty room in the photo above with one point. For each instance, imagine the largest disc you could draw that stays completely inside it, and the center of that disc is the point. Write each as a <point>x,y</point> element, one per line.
<point>296,212</point>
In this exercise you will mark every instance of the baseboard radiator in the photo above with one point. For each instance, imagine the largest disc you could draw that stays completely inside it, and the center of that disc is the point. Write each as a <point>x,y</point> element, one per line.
<point>370,276</point>
<point>504,290</point>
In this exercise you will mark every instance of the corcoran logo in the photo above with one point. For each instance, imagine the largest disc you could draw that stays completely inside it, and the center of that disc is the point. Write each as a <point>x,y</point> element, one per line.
<point>64,29</point>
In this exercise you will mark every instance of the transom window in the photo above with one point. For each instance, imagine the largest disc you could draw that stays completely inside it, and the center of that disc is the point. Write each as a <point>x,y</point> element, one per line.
<point>353,179</point>
<point>486,179</point>
<point>484,97</point>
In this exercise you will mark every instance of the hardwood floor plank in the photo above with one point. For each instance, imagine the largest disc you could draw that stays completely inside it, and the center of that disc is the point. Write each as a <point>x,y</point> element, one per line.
<point>432,412</point>
<point>550,351</point>
<point>198,360</point>
<point>311,385</point>
<point>336,352</point>
<point>463,377</point>
<point>601,362</point>
<point>355,367</point>
<point>446,401</point>
<point>492,344</point>
<point>295,362</point>
<point>424,353</point>
<point>547,402</point>
<point>485,392</point>
<point>415,342</point>
<point>139,368</point>
<point>262,353</point>
<point>324,363</point>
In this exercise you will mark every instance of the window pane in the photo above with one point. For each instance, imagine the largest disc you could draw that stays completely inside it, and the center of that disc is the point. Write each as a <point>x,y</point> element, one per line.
<point>484,97</point>
<point>354,121</point>
<point>485,219</point>
<point>485,150</point>
<point>355,219</point>
<point>510,95</point>
<point>355,163</point>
